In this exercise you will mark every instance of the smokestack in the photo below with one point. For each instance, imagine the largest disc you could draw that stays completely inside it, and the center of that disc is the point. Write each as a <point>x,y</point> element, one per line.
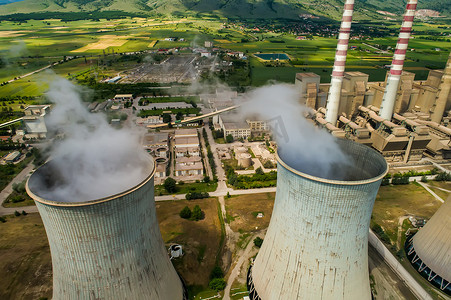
<point>442,94</point>
<point>391,90</point>
<point>333,100</point>
<point>429,250</point>
<point>107,248</point>
<point>316,246</point>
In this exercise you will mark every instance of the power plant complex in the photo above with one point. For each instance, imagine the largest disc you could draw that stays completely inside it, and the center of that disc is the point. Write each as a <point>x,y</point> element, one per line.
<point>316,246</point>
<point>109,248</point>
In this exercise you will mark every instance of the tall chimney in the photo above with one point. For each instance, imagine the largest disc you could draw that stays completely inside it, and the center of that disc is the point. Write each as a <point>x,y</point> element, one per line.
<point>442,94</point>
<point>333,100</point>
<point>391,90</point>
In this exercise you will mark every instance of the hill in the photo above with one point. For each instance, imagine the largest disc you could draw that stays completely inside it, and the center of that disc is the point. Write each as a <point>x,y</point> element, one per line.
<point>365,9</point>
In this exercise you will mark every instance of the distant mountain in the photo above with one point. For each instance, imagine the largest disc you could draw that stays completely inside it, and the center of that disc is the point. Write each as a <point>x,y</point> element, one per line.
<point>231,8</point>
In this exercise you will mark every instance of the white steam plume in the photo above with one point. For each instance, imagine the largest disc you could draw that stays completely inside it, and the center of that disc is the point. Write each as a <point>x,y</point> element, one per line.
<point>301,145</point>
<point>94,160</point>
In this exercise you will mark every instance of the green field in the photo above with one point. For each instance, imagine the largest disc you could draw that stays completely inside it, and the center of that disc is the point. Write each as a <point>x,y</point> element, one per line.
<point>28,46</point>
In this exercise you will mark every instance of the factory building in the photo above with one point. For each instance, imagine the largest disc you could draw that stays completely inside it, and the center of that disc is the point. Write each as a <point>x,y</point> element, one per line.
<point>34,121</point>
<point>109,248</point>
<point>231,124</point>
<point>429,250</point>
<point>189,166</point>
<point>316,246</point>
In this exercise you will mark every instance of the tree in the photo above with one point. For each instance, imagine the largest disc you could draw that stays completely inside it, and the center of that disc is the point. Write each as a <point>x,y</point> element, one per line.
<point>179,116</point>
<point>228,195</point>
<point>216,273</point>
<point>258,242</point>
<point>169,185</point>
<point>259,171</point>
<point>197,214</point>
<point>229,139</point>
<point>167,118</point>
<point>16,213</point>
<point>217,284</point>
<point>207,179</point>
<point>185,213</point>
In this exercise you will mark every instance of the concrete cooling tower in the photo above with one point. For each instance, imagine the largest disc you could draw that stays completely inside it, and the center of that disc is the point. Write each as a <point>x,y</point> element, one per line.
<point>109,248</point>
<point>316,246</point>
<point>429,250</point>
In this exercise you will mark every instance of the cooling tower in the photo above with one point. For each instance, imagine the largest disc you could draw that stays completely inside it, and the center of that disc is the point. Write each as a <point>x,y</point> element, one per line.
<point>316,246</point>
<point>429,250</point>
<point>109,248</point>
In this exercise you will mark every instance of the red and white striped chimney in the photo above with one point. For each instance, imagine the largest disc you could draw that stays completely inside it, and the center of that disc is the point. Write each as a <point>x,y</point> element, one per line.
<point>391,90</point>
<point>333,100</point>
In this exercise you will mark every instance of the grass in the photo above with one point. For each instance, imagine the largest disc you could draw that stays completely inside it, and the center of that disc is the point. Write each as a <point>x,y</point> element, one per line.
<point>393,202</point>
<point>25,266</point>
<point>188,187</point>
<point>241,208</point>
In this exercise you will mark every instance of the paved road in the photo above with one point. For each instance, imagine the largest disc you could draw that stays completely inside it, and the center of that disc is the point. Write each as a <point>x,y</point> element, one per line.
<point>236,270</point>
<point>396,266</point>
<point>431,192</point>
<point>9,189</point>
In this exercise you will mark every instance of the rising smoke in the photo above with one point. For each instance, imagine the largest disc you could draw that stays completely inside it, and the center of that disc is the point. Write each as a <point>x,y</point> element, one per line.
<point>93,160</point>
<point>301,145</point>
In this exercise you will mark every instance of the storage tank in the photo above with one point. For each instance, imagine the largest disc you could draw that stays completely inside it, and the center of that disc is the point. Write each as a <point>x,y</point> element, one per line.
<point>107,248</point>
<point>245,160</point>
<point>316,246</point>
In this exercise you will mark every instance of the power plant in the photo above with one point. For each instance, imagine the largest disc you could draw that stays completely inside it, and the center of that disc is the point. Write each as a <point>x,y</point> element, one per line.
<point>108,248</point>
<point>401,118</point>
<point>429,250</point>
<point>316,246</point>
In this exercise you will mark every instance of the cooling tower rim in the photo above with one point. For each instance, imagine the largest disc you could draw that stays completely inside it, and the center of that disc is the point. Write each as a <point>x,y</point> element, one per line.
<point>332,181</point>
<point>90,202</point>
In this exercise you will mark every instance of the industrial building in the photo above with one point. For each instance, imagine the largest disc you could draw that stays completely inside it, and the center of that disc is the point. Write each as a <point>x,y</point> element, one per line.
<point>231,124</point>
<point>429,250</point>
<point>316,246</point>
<point>189,166</point>
<point>109,248</point>
<point>35,121</point>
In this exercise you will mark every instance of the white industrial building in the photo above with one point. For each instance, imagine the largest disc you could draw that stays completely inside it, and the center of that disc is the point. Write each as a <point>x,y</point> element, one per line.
<point>34,121</point>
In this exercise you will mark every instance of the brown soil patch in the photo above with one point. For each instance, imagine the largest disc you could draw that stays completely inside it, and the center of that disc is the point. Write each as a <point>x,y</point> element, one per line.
<point>242,210</point>
<point>25,262</point>
<point>200,239</point>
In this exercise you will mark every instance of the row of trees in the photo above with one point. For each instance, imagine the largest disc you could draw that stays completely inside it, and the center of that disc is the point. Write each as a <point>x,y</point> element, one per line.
<point>210,156</point>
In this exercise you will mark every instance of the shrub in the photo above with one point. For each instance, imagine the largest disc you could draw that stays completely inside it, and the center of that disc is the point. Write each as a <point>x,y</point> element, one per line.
<point>443,176</point>
<point>2,219</point>
<point>197,213</point>
<point>16,213</point>
<point>229,139</point>
<point>207,179</point>
<point>24,213</point>
<point>217,284</point>
<point>258,242</point>
<point>196,195</point>
<point>216,273</point>
<point>424,179</point>
<point>185,213</point>
<point>169,185</point>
